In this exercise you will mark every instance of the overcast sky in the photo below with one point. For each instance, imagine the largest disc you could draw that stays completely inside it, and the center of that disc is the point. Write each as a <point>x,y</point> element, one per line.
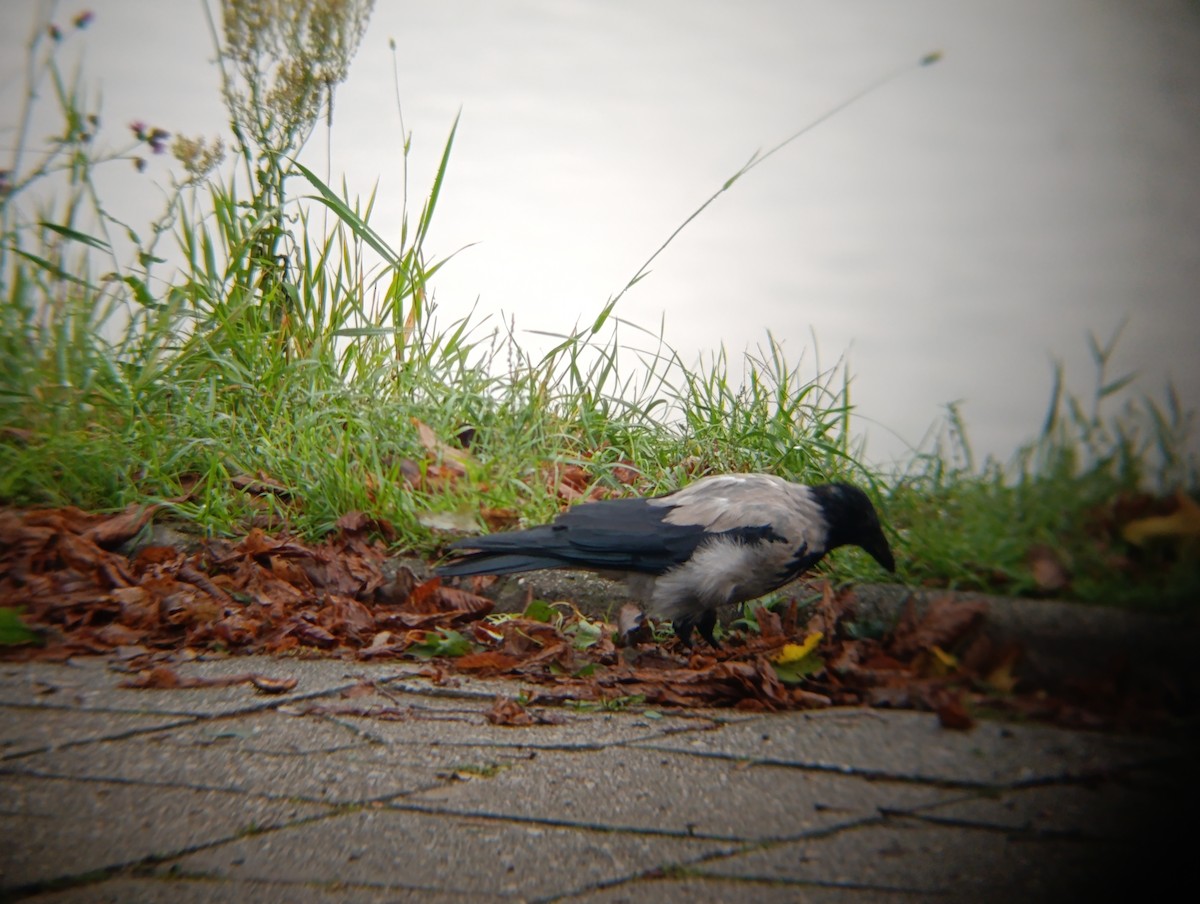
<point>950,235</point>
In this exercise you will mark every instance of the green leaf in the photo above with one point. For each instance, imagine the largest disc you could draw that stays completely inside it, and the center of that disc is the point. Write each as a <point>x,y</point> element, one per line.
<point>75,236</point>
<point>587,634</point>
<point>13,631</point>
<point>540,611</point>
<point>54,269</point>
<point>796,671</point>
<point>343,212</point>
<point>1116,385</point>
<point>436,190</point>
<point>140,292</point>
<point>443,642</point>
<point>603,315</point>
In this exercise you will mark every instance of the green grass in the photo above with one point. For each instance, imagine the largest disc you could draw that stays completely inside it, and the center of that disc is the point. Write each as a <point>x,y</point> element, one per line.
<point>286,351</point>
<point>1069,491</point>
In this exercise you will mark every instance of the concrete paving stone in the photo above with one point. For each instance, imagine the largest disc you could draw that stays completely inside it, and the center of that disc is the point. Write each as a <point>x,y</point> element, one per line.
<point>951,864</point>
<point>912,745</point>
<point>269,732</point>
<point>54,828</point>
<point>701,890</point>
<point>407,718</point>
<point>27,729</point>
<point>455,855</point>
<point>93,683</point>
<point>1106,808</point>
<point>288,734</point>
<point>466,687</point>
<point>646,790</point>
<point>363,773</point>
<point>173,890</point>
<point>460,687</point>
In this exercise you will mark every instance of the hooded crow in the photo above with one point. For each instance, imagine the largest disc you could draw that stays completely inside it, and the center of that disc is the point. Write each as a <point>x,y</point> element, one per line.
<point>723,539</point>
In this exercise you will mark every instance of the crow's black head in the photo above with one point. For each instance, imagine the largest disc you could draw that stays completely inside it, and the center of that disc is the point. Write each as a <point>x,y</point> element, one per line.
<point>853,521</point>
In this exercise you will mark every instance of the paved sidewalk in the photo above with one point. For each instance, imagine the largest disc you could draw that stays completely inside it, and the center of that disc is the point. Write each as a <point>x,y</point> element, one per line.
<point>403,791</point>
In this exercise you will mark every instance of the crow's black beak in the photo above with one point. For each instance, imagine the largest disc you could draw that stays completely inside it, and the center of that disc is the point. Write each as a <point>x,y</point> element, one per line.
<point>877,547</point>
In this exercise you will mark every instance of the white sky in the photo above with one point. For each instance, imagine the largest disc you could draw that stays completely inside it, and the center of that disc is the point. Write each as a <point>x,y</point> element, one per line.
<point>951,234</point>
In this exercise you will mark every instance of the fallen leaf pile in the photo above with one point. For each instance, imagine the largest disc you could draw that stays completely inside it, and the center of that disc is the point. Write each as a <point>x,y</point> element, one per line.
<point>74,591</point>
<point>62,570</point>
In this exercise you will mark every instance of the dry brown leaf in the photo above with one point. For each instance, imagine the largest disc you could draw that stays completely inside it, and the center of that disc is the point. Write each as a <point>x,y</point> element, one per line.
<point>498,519</point>
<point>946,619</point>
<point>159,677</point>
<point>273,685</point>
<point>1001,677</point>
<point>462,603</point>
<point>626,473</point>
<point>354,522</point>
<point>632,626</point>
<point>455,459</point>
<point>509,712</point>
<point>433,603</point>
<point>347,618</point>
<point>362,689</point>
<point>156,555</point>
<point>410,471</point>
<point>424,597</point>
<point>308,633</point>
<point>115,530</point>
<point>569,482</point>
<point>115,634</point>
<point>165,678</point>
<point>396,590</point>
<point>489,662</point>
<point>260,486</point>
<point>951,711</point>
<point>770,625</point>
<point>1050,574</point>
<point>257,543</point>
<point>19,434</point>
<point>828,611</point>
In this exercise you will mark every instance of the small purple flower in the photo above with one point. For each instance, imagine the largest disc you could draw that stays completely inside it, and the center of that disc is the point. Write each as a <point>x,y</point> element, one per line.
<point>157,140</point>
<point>155,137</point>
<point>84,19</point>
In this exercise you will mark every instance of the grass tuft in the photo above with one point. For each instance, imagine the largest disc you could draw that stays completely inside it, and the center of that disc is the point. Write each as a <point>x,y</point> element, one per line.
<point>292,368</point>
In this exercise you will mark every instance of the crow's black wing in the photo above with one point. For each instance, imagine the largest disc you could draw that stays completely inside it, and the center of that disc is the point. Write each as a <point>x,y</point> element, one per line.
<point>615,534</point>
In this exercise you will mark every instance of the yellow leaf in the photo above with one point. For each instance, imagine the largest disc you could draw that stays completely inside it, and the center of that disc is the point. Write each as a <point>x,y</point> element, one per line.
<point>940,662</point>
<point>1002,678</point>
<point>1183,522</point>
<point>794,652</point>
<point>946,659</point>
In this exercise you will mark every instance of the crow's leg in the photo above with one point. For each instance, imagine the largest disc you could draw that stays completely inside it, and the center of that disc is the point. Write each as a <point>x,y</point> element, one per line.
<point>705,624</point>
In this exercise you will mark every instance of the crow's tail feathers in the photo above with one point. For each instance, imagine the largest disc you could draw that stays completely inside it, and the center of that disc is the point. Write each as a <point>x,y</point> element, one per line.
<point>494,563</point>
<point>504,553</point>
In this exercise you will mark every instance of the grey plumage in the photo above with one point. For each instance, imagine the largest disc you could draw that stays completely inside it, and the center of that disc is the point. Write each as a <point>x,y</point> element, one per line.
<point>721,540</point>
